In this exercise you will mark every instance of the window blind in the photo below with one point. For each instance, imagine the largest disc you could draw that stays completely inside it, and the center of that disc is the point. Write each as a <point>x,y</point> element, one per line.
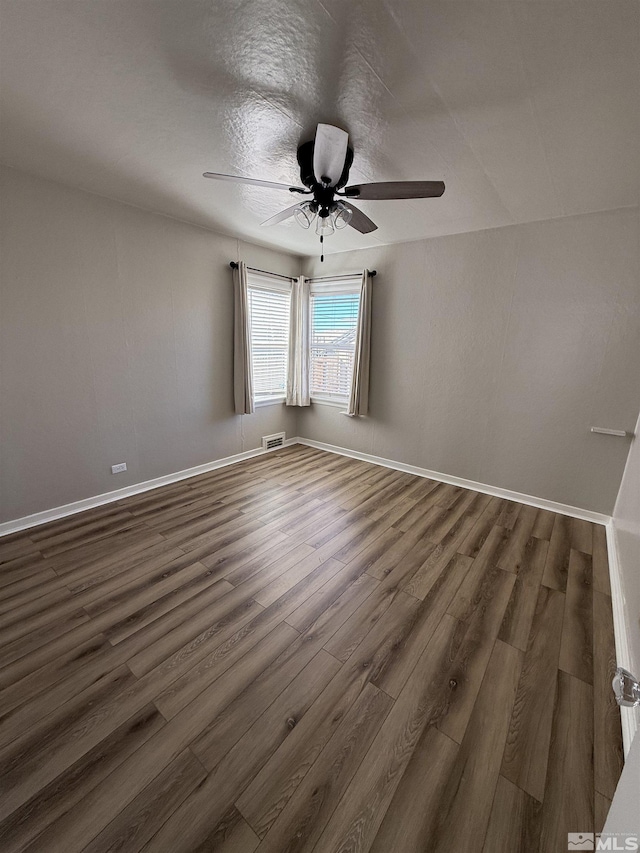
<point>269,315</point>
<point>334,317</point>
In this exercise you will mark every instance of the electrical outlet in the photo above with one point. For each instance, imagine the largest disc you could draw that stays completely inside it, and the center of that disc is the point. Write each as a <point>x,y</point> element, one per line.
<point>117,469</point>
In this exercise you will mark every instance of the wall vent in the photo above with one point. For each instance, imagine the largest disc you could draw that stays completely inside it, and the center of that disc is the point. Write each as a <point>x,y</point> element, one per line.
<point>270,442</point>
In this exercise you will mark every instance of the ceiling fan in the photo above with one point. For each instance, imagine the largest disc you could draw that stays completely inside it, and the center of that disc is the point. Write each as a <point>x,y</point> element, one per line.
<point>324,170</point>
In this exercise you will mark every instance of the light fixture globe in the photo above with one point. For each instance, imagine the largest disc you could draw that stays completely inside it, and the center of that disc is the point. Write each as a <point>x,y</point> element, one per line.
<point>305,213</point>
<point>341,215</point>
<point>324,224</point>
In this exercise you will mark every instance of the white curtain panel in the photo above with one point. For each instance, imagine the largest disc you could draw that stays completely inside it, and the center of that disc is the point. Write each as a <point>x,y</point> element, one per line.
<point>242,367</point>
<point>359,397</point>
<point>298,371</point>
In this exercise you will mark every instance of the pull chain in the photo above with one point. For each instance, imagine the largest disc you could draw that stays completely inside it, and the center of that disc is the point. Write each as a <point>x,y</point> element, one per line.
<point>321,248</point>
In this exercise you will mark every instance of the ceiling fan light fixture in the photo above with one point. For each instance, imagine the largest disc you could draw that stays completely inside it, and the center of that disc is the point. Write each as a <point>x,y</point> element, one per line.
<point>304,214</point>
<point>324,225</point>
<point>341,215</point>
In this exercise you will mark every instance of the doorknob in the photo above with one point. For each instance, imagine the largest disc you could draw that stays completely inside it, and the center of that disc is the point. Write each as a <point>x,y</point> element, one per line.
<point>626,688</point>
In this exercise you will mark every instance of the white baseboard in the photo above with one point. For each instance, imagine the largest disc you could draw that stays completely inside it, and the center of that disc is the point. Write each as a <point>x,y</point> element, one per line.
<point>47,515</point>
<point>495,491</point>
<point>630,717</point>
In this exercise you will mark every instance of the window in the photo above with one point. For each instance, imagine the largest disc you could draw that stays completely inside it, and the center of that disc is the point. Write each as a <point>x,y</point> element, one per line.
<point>334,317</point>
<point>269,305</point>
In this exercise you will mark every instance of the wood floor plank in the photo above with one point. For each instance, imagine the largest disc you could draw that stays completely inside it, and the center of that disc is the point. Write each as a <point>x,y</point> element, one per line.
<point>468,594</point>
<point>145,814</point>
<point>370,557</point>
<point>438,558</point>
<point>357,818</point>
<point>512,556</point>
<point>288,579</point>
<point>477,536</point>
<point>213,742</point>
<point>607,736</point>
<point>21,568</point>
<point>40,579</point>
<point>316,604</point>
<point>34,608</point>
<point>472,658</point>
<point>556,567</point>
<point>32,761</point>
<point>232,835</point>
<point>527,747</point>
<point>259,560</point>
<point>61,795</point>
<point>602,806</point>
<point>131,777</point>
<point>582,535</point>
<point>15,547</point>
<point>360,623</point>
<point>204,520</point>
<point>26,653</point>
<point>201,591</point>
<point>569,794</point>
<point>514,825</point>
<point>418,633</point>
<point>601,581</point>
<point>460,515</point>
<point>89,533</point>
<point>415,808</point>
<point>543,528</point>
<point>519,613</point>
<point>92,574</point>
<point>204,813</point>
<point>469,792</point>
<point>116,551</point>
<point>411,540</point>
<point>576,652</point>
<point>155,581</point>
<point>305,816</point>
<point>270,790</point>
<point>228,641</point>
<point>509,514</point>
<point>22,691</point>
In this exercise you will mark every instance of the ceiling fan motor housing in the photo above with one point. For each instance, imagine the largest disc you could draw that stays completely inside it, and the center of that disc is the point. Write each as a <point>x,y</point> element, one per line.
<point>308,178</point>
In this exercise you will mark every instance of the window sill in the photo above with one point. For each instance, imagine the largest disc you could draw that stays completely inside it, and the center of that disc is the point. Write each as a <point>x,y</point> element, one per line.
<point>336,402</point>
<point>269,401</point>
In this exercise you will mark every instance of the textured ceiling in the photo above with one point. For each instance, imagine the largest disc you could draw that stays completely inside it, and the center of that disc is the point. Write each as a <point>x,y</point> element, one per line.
<point>527,110</point>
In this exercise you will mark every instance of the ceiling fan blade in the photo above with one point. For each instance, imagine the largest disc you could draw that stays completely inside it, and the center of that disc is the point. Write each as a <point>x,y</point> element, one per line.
<point>329,153</point>
<point>395,189</point>
<point>361,221</point>
<point>254,182</point>
<point>280,217</point>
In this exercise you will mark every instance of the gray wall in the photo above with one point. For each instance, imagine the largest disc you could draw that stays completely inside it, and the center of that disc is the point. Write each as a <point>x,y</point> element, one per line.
<point>494,352</point>
<point>115,346</point>
<point>626,522</point>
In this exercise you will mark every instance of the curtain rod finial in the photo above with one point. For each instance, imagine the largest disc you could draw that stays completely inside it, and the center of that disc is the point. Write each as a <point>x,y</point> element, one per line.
<point>233,265</point>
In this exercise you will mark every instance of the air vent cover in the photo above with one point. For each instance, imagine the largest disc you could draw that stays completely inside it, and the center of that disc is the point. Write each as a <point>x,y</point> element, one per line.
<point>270,442</point>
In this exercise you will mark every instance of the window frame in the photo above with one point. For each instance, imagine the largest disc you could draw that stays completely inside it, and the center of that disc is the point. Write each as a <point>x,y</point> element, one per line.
<point>270,284</point>
<point>326,288</point>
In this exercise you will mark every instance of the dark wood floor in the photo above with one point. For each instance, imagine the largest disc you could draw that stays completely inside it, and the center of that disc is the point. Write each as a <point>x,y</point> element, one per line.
<point>306,652</point>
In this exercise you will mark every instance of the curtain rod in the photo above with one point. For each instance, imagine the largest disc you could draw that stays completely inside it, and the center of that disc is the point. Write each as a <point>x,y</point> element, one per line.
<point>234,266</point>
<point>341,277</point>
